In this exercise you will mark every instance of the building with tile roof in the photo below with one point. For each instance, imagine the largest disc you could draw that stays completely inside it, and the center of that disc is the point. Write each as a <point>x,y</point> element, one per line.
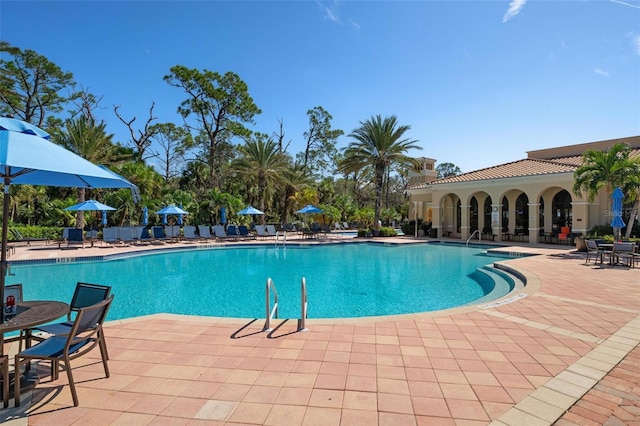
<point>528,200</point>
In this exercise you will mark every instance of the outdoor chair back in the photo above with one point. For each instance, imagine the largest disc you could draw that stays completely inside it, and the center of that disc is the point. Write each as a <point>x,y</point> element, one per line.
<point>84,335</point>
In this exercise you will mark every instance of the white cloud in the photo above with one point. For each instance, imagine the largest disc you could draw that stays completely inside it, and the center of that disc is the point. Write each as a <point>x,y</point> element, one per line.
<point>514,8</point>
<point>626,4</point>
<point>330,11</point>
<point>601,72</point>
<point>354,24</point>
<point>635,41</point>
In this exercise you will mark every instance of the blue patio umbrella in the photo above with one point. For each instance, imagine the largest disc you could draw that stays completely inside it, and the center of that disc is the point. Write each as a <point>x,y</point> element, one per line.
<point>28,157</point>
<point>180,217</point>
<point>172,209</point>
<point>223,215</point>
<point>145,216</point>
<point>104,218</point>
<point>250,210</point>
<point>309,209</point>
<point>616,209</point>
<point>90,205</point>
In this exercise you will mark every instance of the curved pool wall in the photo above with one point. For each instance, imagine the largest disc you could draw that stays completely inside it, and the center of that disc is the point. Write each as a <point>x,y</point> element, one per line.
<point>386,279</point>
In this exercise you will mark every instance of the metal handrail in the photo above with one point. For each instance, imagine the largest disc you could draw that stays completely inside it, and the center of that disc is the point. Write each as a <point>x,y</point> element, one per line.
<point>271,313</point>
<point>304,305</point>
<point>477,231</point>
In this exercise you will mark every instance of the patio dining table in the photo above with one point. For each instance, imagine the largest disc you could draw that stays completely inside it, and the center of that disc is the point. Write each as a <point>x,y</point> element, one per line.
<point>30,314</point>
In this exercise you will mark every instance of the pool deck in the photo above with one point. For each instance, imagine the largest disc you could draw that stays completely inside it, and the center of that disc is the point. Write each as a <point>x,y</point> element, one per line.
<point>565,351</point>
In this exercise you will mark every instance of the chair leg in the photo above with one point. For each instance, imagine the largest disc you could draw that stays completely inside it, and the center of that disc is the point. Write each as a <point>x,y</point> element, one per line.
<point>105,355</point>
<point>72,384</point>
<point>5,380</point>
<point>16,381</point>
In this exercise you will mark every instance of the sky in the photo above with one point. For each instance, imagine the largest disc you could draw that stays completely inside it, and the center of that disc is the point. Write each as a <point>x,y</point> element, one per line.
<point>478,82</point>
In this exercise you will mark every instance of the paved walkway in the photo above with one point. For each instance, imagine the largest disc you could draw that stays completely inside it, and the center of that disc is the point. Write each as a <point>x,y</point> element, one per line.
<point>567,353</point>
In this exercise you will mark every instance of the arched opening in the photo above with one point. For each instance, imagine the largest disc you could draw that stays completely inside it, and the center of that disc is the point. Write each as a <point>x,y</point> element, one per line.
<point>473,214</point>
<point>522,215</point>
<point>487,217</point>
<point>505,214</point>
<point>562,212</point>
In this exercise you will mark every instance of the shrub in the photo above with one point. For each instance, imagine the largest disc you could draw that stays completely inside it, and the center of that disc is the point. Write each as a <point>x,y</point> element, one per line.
<point>387,231</point>
<point>29,231</point>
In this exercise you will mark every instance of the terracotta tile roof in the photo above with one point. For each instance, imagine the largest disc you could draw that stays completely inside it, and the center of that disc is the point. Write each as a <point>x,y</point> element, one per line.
<point>525,167</point>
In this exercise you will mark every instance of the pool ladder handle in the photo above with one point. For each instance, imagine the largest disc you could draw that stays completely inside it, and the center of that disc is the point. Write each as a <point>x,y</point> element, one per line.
<point>284,238</point>
<point>272,313</point>
<point>477,231</point>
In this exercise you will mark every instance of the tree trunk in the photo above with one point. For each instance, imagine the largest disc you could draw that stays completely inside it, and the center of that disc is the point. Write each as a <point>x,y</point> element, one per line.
<point>80,213</point>
<point>634,211</point>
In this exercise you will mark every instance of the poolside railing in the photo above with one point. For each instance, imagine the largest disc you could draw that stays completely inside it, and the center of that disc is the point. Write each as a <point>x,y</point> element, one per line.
<point>304,304</point>
<point>477,231</point>
<point>271,313</point>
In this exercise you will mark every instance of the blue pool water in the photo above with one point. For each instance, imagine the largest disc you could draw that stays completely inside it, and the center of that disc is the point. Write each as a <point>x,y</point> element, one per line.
<point>343,280</point>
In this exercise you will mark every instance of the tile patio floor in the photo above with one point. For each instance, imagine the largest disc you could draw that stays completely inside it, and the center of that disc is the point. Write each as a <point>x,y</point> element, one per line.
<point>567,353</point>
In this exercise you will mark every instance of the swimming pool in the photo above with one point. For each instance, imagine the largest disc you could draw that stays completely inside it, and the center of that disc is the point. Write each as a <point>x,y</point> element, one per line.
<point>343,280</point>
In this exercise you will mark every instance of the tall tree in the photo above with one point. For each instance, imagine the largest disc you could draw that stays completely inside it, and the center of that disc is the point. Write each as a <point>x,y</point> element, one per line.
<point>447,169</point>
<point>320,141</point>
<point>140,138</point>
<point>605,169</point>
<point>219,104</point>
<point>378,144</point>
<point>88,139</point>
<point>261,160</point>
<point>174,143</point>
<point>30,86</point>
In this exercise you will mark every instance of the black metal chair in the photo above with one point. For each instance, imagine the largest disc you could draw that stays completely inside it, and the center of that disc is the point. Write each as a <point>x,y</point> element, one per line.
<point>84,335</point>
<point>85,294</point>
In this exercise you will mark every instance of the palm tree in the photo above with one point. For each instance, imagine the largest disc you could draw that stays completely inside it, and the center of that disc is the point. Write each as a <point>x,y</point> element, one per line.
<point>88,139</point>
<point>605,169</point>
<point>378,145</point>
<point>262,161</point>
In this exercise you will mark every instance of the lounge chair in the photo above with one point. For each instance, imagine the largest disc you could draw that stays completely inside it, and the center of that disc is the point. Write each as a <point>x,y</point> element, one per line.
<point>189,232</point>
<point>244,232</point>
<point>75,237</point>
<point>125,235</point>
<point>261,231</point>
<point>19,238</point>
<point>205,232</point>
<point>145,238</point>
<point>233,231</point>
<point>84,335</point>
<point>110,236</point>
<point>172,232</point>
<point>220,233</point>
<point>159,235</point>
<point>271,231</point>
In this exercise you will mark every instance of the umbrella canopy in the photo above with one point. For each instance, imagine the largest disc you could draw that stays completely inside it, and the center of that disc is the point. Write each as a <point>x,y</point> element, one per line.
<point>90,205</point>
<point>223,215</point>
<point>616,209</point>
<point>250,210</point>
<point>309,208</point>
<point>28,157</point>
<point>171,210</point>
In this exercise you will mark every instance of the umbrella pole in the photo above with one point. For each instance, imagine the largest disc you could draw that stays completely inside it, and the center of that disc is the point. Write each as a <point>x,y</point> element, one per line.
<point>4,265</point>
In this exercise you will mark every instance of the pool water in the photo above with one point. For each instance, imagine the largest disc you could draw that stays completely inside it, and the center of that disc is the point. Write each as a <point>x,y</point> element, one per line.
<point>343,280</point>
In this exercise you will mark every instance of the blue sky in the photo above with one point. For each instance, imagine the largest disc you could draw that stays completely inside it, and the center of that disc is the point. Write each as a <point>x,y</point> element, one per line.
<point>479,82</point>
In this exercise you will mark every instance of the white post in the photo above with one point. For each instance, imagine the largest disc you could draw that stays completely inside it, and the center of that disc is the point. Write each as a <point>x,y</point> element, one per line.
<point>415,218</point>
